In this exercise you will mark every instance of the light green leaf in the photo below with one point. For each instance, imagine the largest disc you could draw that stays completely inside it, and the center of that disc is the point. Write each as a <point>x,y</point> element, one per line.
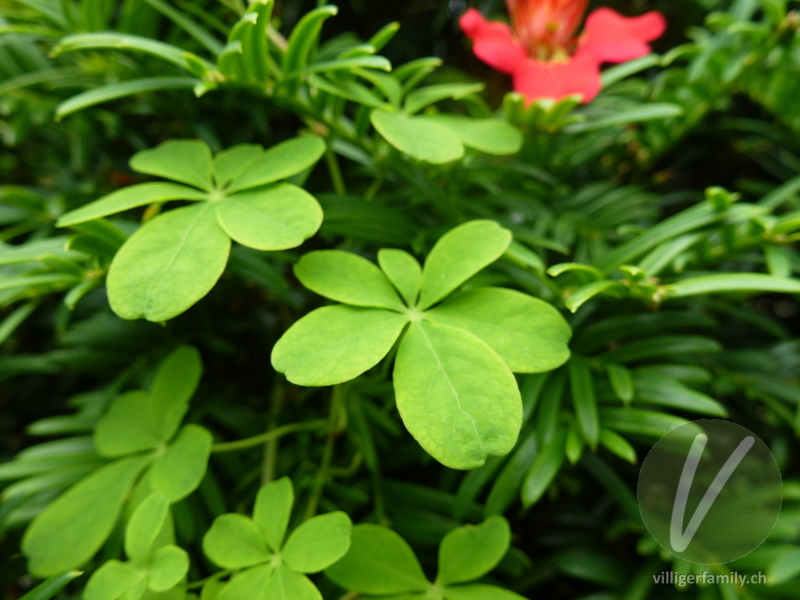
<point>665,391</point>
<point>49,588</point>
<point>469,552</point>
<point>458,255</point>
<point>72,528</point>
<point>187,161</point>
<point>144,526</point>
<point>168,264</point>
<point>169,565</point>
<point>732,282</point>
<point>273,509</point>
<point>250,584</point>
<point>457,417</point>
<point>417,137</point>
<point>491,136</point>
<point>114,91</point>
<point>279,162</point>
<point>235,541</point>
<point>379,562</point>
<point>529,334</point>
<point>348,278</point>
<point>334,344</point>
<point>278,218</point>
<point>584,400</point>
<point>403,271</point>
<point>178,471</point>
<point>285,584</point>
<point>111,580</point>
<point>125,427</point>
<point>174,385</point>
<point>130,197</point>
<point>479,591</point>
<point>231,163</point>
<point>318,542</point>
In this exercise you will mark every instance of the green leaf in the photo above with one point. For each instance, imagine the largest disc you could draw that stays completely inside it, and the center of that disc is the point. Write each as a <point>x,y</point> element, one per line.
<point>125,427</point>
<point>637,114</point>
<point>640,422</point>
<point>318,542</point>
<point>174,385</point>
<point>665,391</point>
<point>279,162</point>
<point>273,509</point>
<point>193,29</point>
<point>49,588</point>
<point>419,99</point>
<point>178,471</point>
<point>417,137</point>
<point>187,161</point>
<point>114,91</point>
<point>491,136</point>
<point>583,294</point>
<point>348,278</point>
<point>507,484</point>
<point>732,282</point>
<point>169,565</point>
<point>334,344</point>
<point>584,401</point>
<point>458,418</point>
<point>144,526</point>
<point>785,567</point>
<point>469,552</point>
<point>231,163</point>
<point>403,271</point>
<point>111,580</point>
<point>123,41</point>
<point>544,468</point>
<point>458,255</point>
<point>379,562</point>
<point>621,381</point>
<point>274,219</point>
<point>73,527</point>
<point>170,263</point>
<point>235,541</point>
<point>617,444</point>
<point>479,591</point>
<point>529,335</point>
<point>130,197</point>
<point>304,37</point>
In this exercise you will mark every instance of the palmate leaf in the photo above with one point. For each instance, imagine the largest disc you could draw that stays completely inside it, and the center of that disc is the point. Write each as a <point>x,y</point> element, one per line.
<point>458,418</point>
<point>236,542</point>
<point>428,141</point>
<point>468,553</point>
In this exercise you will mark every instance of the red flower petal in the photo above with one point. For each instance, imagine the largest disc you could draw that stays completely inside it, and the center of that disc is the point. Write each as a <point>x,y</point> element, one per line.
<point>493,42</point>
<point>580,75</point>
<point>611,37</point>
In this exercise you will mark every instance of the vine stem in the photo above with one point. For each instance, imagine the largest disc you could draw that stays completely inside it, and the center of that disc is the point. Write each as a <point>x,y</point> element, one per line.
<point>271,435</point>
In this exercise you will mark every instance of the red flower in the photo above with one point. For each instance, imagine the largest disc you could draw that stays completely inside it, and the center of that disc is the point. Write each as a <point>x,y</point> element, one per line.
<point>542,53</point>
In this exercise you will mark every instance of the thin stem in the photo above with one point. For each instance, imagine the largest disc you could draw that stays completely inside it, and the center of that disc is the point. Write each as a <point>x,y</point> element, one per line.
<point>335,426</point>
<point>271,447</point>
<point>270,435</point>
<point>336,172</point>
